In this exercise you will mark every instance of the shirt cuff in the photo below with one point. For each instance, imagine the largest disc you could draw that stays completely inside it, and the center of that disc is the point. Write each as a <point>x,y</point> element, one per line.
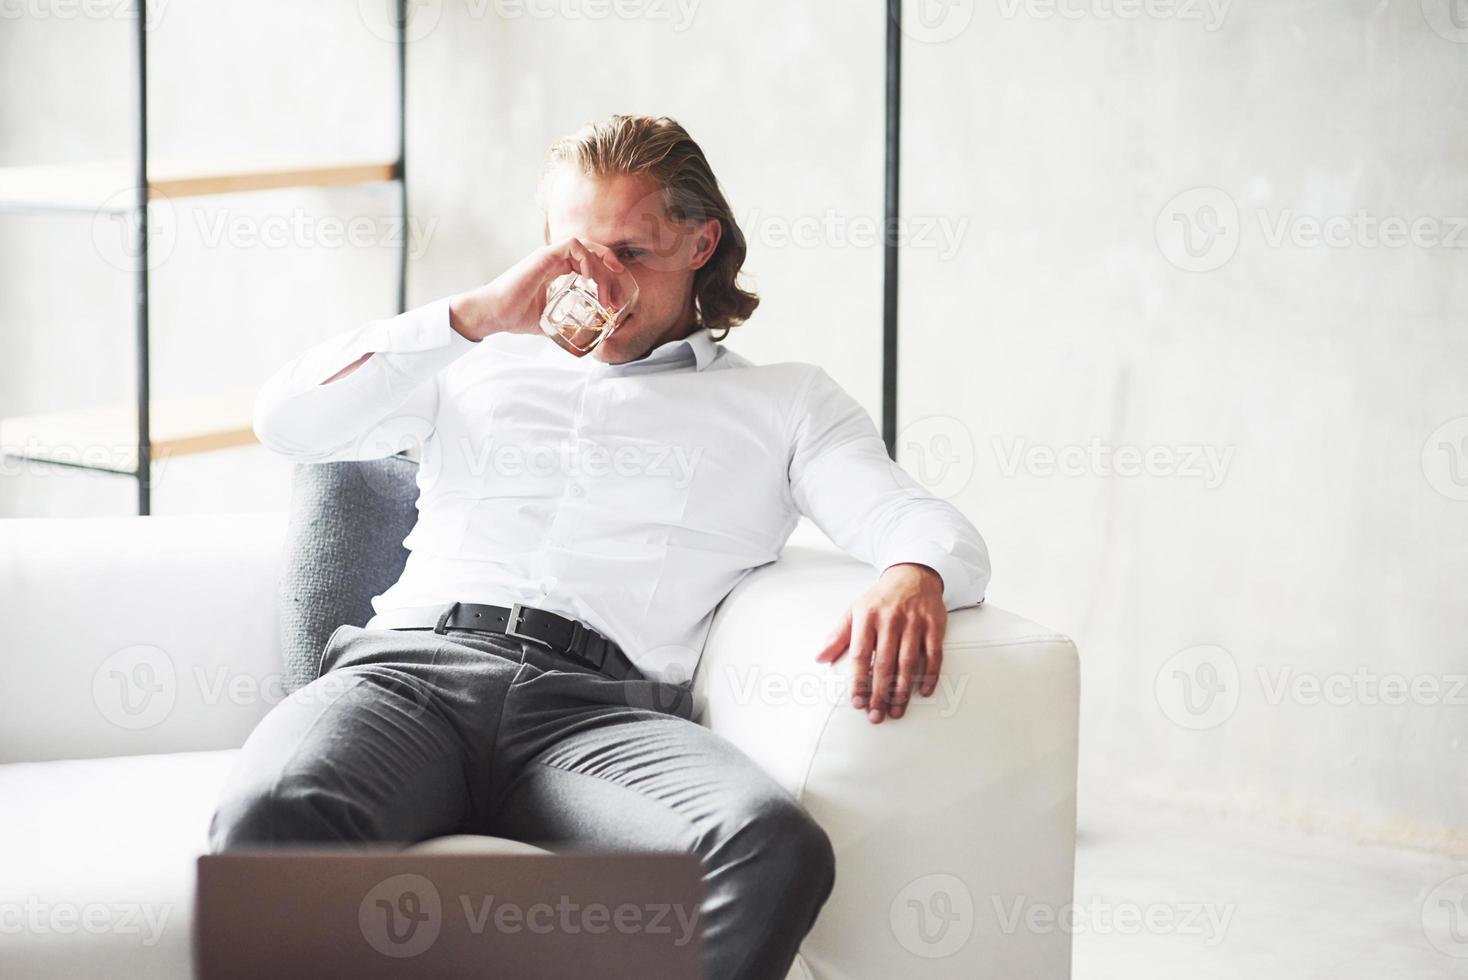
<point>425,328</point>
<point>958,588</point>
<point>418,343</point>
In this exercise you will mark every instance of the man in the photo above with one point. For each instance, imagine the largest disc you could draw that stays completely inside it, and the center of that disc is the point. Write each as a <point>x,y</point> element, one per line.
<point>580,518</point>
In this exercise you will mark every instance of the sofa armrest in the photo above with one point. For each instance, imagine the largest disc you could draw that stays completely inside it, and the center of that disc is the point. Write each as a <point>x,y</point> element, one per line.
<point>946,821</point>
<point>133,635</point>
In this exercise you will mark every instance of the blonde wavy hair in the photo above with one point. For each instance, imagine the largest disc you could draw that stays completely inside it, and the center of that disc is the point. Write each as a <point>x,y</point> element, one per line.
<point>662,149</point>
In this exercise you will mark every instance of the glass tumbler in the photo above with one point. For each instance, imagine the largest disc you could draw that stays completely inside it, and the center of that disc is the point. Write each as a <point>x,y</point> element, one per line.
<point>578,319</point>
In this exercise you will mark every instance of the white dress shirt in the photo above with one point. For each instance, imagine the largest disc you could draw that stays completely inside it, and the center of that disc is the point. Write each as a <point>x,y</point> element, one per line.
<point>632,497</point>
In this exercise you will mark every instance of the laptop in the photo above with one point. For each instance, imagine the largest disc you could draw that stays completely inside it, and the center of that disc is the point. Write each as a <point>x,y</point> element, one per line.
<point>366,913</point>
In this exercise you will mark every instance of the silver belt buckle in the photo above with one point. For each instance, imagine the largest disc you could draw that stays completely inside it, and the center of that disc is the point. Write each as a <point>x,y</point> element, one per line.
<point>512,627</point>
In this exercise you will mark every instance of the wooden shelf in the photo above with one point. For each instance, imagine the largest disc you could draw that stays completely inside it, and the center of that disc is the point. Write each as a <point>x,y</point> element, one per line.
<point>108,186</point>
<point>105,437</point>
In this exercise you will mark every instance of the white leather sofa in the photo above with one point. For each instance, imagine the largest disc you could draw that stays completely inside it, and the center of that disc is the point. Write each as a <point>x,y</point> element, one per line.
<point>139,652</point>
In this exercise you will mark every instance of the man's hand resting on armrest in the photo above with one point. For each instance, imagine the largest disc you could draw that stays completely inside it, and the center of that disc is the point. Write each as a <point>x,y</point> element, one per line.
<point>895,635</point>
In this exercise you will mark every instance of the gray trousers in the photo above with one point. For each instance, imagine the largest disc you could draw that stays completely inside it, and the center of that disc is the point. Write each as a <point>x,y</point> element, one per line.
<point>411,734</point>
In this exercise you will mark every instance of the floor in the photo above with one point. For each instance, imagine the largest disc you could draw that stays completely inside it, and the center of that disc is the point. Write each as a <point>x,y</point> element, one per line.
<point>1162,898</point>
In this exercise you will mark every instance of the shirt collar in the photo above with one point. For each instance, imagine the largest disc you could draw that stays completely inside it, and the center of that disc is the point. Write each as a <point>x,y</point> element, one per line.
<point>699,342</point>
<point>704,350</point>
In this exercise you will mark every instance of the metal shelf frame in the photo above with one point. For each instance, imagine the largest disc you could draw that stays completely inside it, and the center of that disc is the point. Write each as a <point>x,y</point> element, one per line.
<point>143,188</point>
<point>892,210</point>
<point>145,445</point>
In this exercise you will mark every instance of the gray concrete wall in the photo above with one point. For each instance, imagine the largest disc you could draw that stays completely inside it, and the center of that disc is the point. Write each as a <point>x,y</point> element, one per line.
<point>1247,624</point>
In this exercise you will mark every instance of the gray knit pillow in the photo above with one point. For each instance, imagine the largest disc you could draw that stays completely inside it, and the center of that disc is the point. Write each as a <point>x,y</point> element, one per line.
<point>344,546</point>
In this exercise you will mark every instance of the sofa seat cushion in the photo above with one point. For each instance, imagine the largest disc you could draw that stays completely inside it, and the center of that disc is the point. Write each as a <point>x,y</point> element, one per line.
<point>98,863</point>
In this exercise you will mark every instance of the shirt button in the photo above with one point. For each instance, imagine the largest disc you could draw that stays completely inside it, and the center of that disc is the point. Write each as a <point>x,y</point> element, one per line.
<point>576,490</point>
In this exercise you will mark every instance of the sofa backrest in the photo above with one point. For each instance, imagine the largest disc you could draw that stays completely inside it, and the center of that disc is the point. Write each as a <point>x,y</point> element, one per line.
<point>344,545</point>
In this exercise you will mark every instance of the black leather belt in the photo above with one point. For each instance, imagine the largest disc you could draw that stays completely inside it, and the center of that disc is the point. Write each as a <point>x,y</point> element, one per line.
<point>568,637</point>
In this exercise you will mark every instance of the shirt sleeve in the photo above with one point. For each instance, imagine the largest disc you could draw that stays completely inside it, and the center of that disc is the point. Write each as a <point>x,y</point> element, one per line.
<point>386,405</point>
<point>844,481</point>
